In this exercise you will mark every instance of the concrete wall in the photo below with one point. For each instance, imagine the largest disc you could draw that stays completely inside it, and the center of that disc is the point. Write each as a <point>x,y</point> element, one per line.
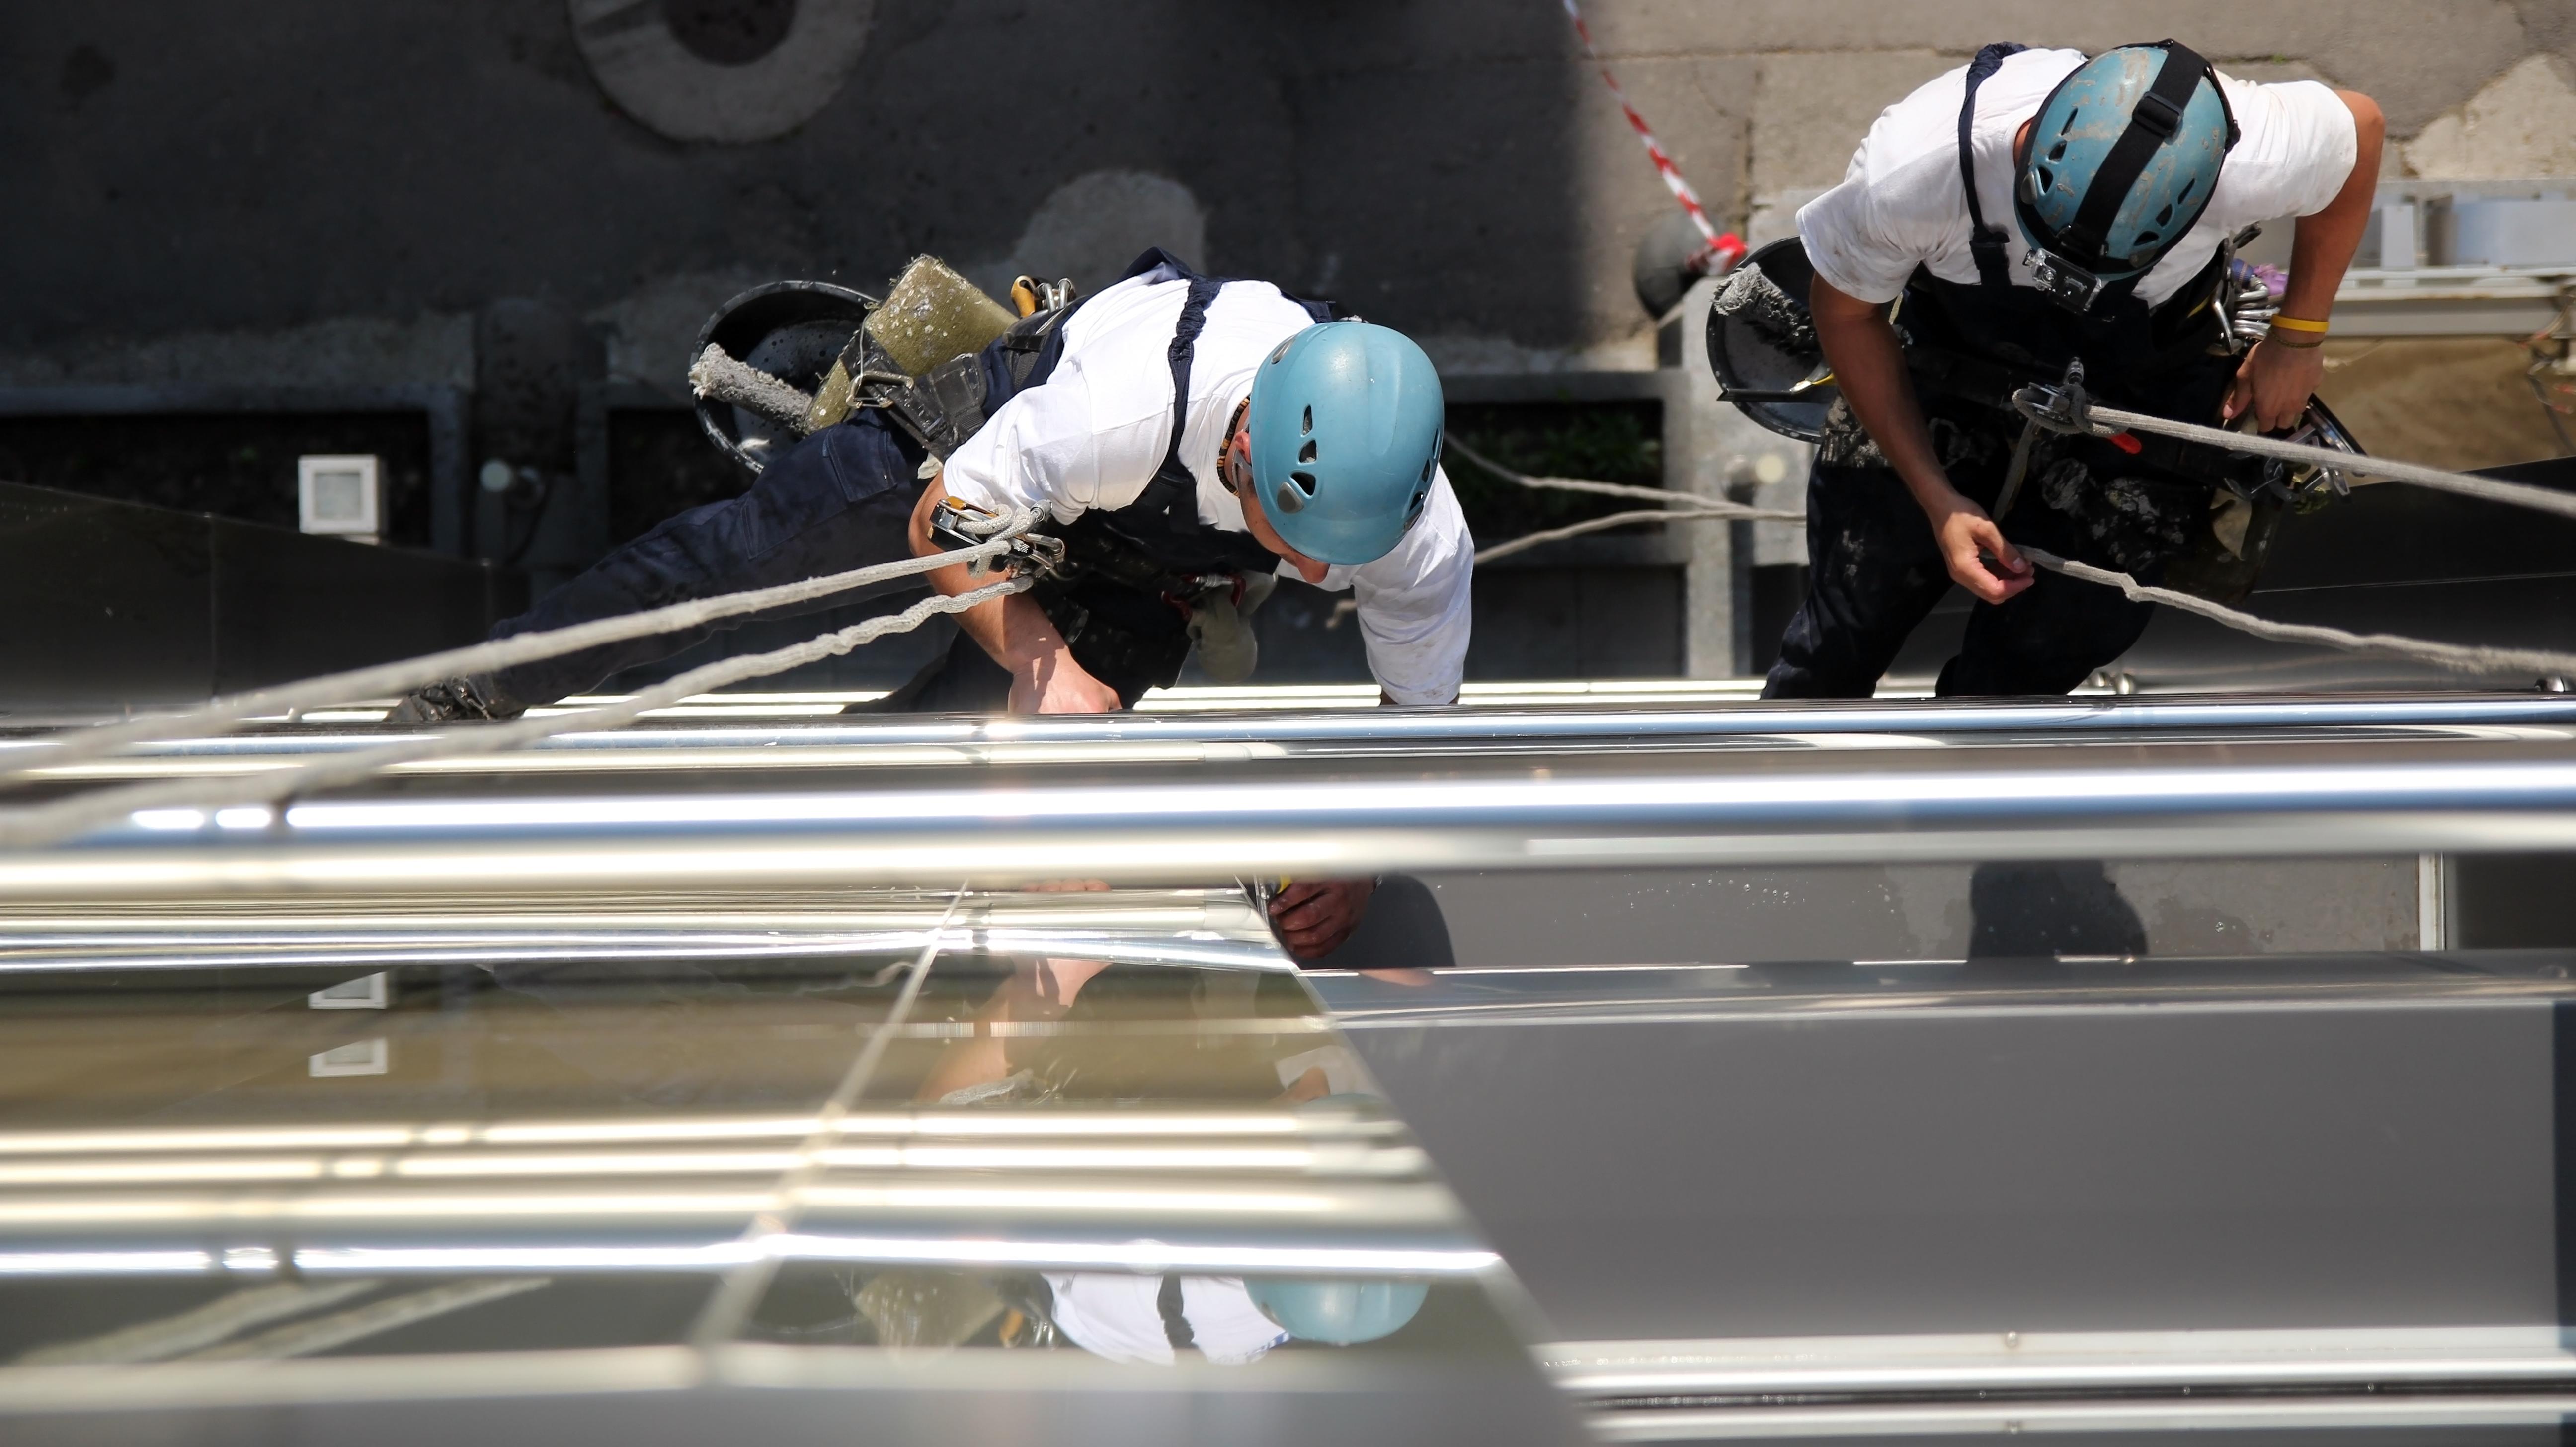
<point>315,191</point>
<point>520,197</point>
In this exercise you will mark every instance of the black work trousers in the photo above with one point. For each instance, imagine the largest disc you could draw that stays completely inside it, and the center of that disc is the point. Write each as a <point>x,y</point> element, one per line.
<point>1875,571</point>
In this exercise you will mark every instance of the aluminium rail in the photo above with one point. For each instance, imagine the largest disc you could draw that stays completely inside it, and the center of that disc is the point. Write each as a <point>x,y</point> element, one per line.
<point>1135,802</point>
<point>746,743</point>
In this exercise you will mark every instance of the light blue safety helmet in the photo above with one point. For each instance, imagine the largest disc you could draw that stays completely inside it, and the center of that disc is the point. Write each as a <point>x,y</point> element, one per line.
<point>1341,1313</point>
<point>1345,428</point>
<point>2124,156</point>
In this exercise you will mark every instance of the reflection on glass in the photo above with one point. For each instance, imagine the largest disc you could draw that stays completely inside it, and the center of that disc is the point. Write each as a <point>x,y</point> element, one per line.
<point>1123,1316</point>
<point>1104,1155</point>
<point>1056,1033</point>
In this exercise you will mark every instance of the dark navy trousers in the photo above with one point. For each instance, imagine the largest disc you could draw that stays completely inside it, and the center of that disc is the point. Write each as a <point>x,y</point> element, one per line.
<point>838,500</point>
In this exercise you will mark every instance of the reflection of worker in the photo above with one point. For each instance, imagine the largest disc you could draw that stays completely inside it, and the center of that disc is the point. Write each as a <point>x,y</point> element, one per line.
<point>1129,1317</point>
<point>1173,427</point>
<point>1313,917</point>
<point>2116,180</point>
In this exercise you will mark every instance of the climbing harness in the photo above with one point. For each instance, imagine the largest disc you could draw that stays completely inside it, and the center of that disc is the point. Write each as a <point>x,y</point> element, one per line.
<point>2065,408</point>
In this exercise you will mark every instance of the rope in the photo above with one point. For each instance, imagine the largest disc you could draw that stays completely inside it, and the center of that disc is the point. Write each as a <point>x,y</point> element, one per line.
<point>1685,507</point>
<point>2360,464</point>
<point>1716,512</point>
<point>2460,657</point>
<point>47,823</point>
<point>223,715</point>
<point>1677,506</point>
<point>1663,495</point>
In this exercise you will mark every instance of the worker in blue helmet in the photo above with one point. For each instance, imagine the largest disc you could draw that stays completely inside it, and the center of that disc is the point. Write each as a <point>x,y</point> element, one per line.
<point>1289,445</point>
<point>2032,211</point>
<point>1191,439</point>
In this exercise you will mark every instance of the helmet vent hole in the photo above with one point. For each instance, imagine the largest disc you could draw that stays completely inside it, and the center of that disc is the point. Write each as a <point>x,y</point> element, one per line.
<point>2165,216</point>
<point>2047,180</point>
<point>1306,454</point>
<point>1305,482</point>
<point>1309,429</point>
<point>1426,475</point>
<point>2146,238</point>
<point>2057,152</point>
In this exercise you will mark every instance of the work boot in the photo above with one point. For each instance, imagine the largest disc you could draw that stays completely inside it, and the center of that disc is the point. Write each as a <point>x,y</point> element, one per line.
<point>476,696</point>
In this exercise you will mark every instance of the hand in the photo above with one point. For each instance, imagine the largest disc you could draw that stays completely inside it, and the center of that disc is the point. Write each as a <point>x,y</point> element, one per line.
<point>1053,683</point>
<point>1313,917</point>
<point>2276,383</point>
<point>1964,533</point>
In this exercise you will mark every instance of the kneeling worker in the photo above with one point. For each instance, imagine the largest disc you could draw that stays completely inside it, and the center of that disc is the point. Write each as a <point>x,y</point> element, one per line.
<point>1177,429</point>
<point>2121,179</point>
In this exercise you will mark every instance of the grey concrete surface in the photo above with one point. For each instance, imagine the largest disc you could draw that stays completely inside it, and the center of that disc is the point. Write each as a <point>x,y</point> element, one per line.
<point>300,194</point>
<point>1451,167</point>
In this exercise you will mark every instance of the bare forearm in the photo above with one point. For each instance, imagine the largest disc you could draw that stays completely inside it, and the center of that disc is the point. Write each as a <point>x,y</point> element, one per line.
<point>2322,245</point>
<point>1013,630</point>
<point>1869,366</point>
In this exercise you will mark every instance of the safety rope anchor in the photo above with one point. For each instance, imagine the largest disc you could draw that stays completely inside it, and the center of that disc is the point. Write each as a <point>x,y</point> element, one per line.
<point>1027,553</point>
<point>2066,408</point>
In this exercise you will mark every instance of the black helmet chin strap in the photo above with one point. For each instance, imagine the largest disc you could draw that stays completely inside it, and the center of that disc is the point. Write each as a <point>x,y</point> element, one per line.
<point>2158,116</point>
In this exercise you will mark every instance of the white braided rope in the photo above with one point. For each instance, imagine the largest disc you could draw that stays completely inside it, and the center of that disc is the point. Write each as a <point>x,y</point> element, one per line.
<point>222,715</point>
<point>62,819</point>
<point>1663,495</point>
<point>1708,512</point>
<point>2465,658</point>
<point>2111,419</point>
<point>1675,506</point>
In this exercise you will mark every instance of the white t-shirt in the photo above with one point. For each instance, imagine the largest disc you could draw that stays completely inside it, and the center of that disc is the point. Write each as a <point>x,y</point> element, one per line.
<point>1096,432</point>
<point>1899,205</point>
<point>1117,1314</point>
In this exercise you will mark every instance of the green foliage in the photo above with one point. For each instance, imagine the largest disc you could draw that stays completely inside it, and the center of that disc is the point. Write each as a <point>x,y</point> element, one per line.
<point>1601,441</point>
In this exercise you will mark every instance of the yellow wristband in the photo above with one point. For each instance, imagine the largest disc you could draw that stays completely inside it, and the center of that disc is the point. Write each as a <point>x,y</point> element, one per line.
<point>2301,324</point>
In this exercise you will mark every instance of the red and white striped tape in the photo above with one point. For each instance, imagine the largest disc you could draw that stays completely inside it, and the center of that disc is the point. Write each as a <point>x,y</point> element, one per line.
<point>1724,249</point>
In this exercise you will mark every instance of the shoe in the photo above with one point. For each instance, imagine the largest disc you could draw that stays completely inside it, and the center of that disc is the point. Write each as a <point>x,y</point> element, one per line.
<point>473,697</point>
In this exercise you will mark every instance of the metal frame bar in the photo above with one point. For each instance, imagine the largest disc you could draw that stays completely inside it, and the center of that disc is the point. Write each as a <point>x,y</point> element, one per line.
<point>1215,820</point>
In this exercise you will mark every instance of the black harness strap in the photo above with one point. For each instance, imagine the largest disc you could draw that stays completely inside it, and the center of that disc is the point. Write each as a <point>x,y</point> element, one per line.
<point>1985,243</point>
<point>1172,485</point>
<point>1173,492</point>
<point>1176,1327</point>
<point>2154,122</point>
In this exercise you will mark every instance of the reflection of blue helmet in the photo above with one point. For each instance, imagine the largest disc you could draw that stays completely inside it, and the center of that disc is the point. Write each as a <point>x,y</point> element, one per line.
<point>1345,426</point>
<point>2123,157</point>
<point>1338,1312</point>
